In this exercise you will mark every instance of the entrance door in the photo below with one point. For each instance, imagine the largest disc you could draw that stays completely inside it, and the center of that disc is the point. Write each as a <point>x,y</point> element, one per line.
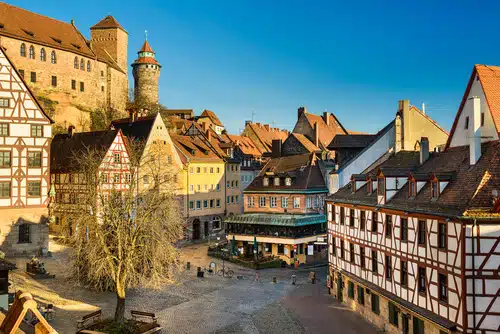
<point>405,324</point>
<point>205,227</point>
<point>196,229</point>
<point>339,288</point>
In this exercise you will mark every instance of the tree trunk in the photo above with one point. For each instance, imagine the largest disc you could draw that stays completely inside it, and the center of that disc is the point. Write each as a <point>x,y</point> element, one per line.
<point>120,306</point>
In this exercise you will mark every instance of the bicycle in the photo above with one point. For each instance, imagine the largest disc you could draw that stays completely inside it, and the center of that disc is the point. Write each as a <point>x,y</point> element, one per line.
<point>229,273</point>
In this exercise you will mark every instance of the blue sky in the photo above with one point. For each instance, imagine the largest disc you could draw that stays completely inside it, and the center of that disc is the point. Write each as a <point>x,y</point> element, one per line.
<point>353,58</point>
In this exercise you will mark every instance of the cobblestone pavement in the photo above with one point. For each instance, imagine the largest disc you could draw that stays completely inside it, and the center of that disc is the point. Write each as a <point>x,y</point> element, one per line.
<point>211,304</point>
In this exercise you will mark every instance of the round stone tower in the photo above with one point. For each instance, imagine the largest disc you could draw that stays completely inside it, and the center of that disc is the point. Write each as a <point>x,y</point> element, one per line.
<point>146,71</point>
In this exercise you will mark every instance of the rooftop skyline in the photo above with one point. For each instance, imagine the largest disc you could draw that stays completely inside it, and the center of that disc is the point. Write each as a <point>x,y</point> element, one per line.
<point>357,61</point>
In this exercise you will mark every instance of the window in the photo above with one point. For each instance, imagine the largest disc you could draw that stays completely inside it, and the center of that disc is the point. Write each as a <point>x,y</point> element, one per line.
<point>334,246</point>
<point>443,288</point>
<point>75,63</point>
<point>117,178</point>
<point>418,326</point>
<point>351,217</point>
<point>236,199</point>
<point>24,234</point>
<point>482,119</point>
<point>205,204</point>
<point>262,201</point>
<point>82,64</point>
<point>34,188</point>
<point>145,179</point>
<point>434,189</point>
<point>82,87</point>
<point>218,170</point>
<point>421,280</point>
<point>281,248</point>
<point>4,189</point>
<point>53,58</point>
<point>412,188</point>
<point>217,187</point>
<point>342,217</point>
<point>54,81</point>
<point>191,205</point>
<point>211,170</point>
<point>198,205</point>
<point>388,268</point>
<point>22,51</point>
<point>33,76</point>
<point>34,159</point>
<point>342,249</point>
<point>388,225</point>
<point>361,295</point>
<point>404,273</point>
<point>104,178</point>
<point>393,314</point>
<point>442,235</point>
<point>265,182</point>
<point>362,257</point>
<point>466,122</point>
<point>217,203</point>
<point>116,158</point>
<point>276,181</point>
<point>43,56</point>
<point>4,129</point>
<point>5,160</point>
<point>128,178</point>
<point>404,229</point>
<point>198,170</point>
<point>232,184</point>
<point>236,183</point>
<point>273,202</point>
<point>374,261</point>
<point>228,199</point>
<point>88,65</point>
<point>296,202</point>
<point>73,84</point>
<point>352,254</point>
<point>374,221</point>
<point>284,202</point>
<point>216,223</point>
<point>421,232</point>
<point>250,202</point>
<point>350,290</point>
<point>36,131</point>
<point>102,88</point>
<point>375,304</point>
<point>32,52</point>
<point>362,219</point>
<point>102,74</point>
<point>288,181</point>
<point>21,73</point>
<point>191,170</point>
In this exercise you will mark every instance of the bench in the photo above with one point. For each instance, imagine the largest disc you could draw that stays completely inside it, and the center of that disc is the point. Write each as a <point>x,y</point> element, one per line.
<point>138,315</point>
<point>90,319</point>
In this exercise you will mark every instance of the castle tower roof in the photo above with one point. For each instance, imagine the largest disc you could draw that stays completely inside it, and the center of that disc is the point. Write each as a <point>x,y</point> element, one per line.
<point>106,23</point>
<point>146,47</point>
<point>146,55</point>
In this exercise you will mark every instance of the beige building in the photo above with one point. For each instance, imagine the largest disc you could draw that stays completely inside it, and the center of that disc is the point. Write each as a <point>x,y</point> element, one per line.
<point>69,74</point>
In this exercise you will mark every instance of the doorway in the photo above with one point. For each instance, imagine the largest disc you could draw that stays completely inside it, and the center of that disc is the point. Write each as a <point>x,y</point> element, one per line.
<point>205,229</point>
<point>196,229</point>
<point>339,288</point>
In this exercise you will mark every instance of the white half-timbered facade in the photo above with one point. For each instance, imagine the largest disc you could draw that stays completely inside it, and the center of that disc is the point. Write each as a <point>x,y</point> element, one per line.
<point>25,134</point>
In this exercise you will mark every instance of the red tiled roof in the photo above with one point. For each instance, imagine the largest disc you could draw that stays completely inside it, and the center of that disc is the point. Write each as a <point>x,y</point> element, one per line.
<point>266,134</point>
<point>213,117</point>
<point>326,132</point>
<point>146,47</point>
<point>106,23</point>
<point>192,148</point>
<point>146,60</point>
<point>489,77</point>
<point>246,145</point>
<point>308,145</point>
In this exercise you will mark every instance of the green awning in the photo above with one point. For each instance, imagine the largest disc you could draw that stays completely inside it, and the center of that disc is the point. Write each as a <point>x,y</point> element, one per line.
<point>276,219</point>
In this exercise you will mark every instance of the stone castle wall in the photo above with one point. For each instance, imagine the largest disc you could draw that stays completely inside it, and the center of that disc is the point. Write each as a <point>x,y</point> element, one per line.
<point>146,78</point>
<point>114,41</point>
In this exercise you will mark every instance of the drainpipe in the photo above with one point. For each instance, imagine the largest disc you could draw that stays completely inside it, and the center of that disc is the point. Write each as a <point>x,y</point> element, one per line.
<point>473,279</point>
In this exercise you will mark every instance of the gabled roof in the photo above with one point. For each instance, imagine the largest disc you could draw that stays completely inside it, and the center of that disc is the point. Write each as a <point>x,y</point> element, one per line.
<point>109,22</point>
<point>351,141</point>
<point>138,129</point>
<point>266,134</point>
<point>213,117</point>
<point>489,77</point>
<point>191,148</point>
<point>146,47</point>
<point>32,27</point>
<point>64,147</point>
<point>246,145</point>
<point>326,131</point>
<point>305,142</point>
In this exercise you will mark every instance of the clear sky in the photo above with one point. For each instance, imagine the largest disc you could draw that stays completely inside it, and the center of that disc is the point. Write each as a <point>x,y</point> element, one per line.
<point>353,58</point>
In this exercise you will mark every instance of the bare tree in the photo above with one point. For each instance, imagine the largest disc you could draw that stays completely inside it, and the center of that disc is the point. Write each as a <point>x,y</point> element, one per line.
<point>125,236</point>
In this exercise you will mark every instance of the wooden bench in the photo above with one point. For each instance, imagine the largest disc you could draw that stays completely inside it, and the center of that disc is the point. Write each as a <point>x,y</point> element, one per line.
<point>89,319</point>
<point>138,315</point>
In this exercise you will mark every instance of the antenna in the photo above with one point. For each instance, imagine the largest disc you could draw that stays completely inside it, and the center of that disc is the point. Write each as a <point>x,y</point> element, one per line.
<point>253,114</point>
<point>146,34</point>
<point>423,108</point>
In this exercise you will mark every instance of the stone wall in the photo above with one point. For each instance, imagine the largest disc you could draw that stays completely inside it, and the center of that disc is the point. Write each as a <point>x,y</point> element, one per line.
<point>292,146</point>
<point>114,41</point>
<point>146,78</point>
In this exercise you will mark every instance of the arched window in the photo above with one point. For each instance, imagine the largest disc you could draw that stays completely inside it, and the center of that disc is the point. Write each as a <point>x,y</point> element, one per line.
<point>23,50</point>
<point>76,63</point>
<point>32,52</point>
<point>82,64</point>
<point>88,65</point>
<point>42,55</point>
<point>53,58</point>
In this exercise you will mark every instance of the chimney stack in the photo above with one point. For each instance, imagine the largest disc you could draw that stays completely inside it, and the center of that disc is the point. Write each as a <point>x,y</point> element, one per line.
<point>424,150</point>
<point>316,134</point>
<point>398,129</point>
<point>276,148</point>
<point>475,131</point>
<point>266,126</point>
<point>326,118</point>
<point>423,108</point>
<point>71,131</point>
<point>300,111</point>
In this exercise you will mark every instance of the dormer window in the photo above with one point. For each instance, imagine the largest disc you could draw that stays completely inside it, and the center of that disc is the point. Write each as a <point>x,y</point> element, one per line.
<point>434,189</point>
<point>265,181</point>
<point>412,189</point>
<point>288,181</point>
<point>277,181</point>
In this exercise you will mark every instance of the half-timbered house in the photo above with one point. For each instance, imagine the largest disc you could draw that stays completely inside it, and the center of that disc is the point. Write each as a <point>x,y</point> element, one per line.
<point>69,177</point>
<point>25,132</point>
<point>413,242</point>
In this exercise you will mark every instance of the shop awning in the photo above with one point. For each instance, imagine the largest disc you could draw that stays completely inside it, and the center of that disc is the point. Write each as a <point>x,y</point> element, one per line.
<point>276,219</point>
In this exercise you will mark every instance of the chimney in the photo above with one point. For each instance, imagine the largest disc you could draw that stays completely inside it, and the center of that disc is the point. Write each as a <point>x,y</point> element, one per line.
<point>316,134</point>
<point>266,126</point>
<point>475,131</point>
<point>132,113</point>
<point>326,118</point>
<point>300,111</point>
<point>209,134</point>
<point>205,126</point>
<point>276,148</point>
<point>71,131</point>
<point>424,150</point>
<point>398,133</point>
